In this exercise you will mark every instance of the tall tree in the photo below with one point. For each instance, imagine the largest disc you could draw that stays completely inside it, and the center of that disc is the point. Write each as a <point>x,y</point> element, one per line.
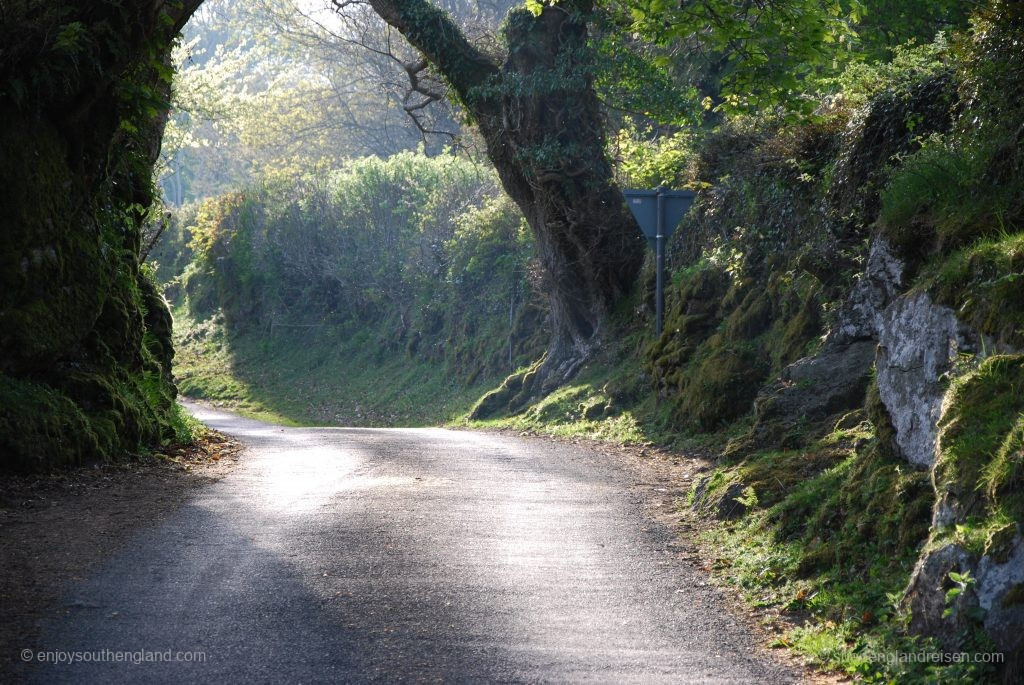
<point>540,119</point>
<point>85,348</point>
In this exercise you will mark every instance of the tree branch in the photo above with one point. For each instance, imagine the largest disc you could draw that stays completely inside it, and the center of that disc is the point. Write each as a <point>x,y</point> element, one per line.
<point>432,32</point>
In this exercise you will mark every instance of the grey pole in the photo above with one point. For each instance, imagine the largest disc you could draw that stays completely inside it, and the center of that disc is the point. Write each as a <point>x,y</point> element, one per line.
<point>659,242</point>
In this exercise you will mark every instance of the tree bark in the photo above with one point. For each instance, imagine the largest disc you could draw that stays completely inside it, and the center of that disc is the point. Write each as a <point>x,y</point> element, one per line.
<point>85,337</point>
<point>539,116</point>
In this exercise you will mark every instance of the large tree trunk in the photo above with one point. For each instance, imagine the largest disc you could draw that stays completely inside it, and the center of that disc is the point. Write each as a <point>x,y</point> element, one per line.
<point>540,118</point>
<point>85,344</point>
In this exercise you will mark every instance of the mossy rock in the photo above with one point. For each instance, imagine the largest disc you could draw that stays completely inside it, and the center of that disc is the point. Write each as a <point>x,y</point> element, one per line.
<point>877,506</point>
<point>54,276</point>
<point>721,388</point>
<point>979,463</point>
<point>751,318</point>
<point>41,428</point>
<point>1014,596</point>
<point>983,283</point>
<point>503,399</point>
<point>85,345</point>
<point>694,312</point>
<point>1001,541</point>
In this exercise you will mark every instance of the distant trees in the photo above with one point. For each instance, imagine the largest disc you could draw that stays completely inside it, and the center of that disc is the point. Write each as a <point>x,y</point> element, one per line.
<point>276,88</point>
<point>537,92</point>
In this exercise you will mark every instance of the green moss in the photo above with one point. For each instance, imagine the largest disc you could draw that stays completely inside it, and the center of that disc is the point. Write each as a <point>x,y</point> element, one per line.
<point>1014,596</point>
<point>693,315</point>
<point>41,428</point>
<point>796,331</point>
<point>835,532</point>
<point>979,461</point>
<point>884,430</point>
<point>751,318</point>
<point>878,509</point>
<point>721,387</point>
<point>983,284</point>
<point>1000,542</point>
<point>84,337</point>
<point>724,337</point>
<point>53,277</point>
<point>505,397</point>
<point>844,493</point>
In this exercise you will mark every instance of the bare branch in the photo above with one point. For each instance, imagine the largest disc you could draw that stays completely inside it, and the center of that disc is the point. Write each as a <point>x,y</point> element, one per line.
<point>432,32</point>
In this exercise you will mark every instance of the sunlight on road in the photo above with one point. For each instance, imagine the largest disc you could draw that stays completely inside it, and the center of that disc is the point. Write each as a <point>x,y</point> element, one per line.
<point>303,478</point>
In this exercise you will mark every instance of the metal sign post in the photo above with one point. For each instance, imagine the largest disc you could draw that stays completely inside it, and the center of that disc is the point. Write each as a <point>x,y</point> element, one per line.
<point>658,212</point>
<point>659,265</point>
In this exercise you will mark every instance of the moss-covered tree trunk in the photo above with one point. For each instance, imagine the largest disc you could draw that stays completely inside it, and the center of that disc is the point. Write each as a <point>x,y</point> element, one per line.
<point>539,116</point>
<point>84,336</point>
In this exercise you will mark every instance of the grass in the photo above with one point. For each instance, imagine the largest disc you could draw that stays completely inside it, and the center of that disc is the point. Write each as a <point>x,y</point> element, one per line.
<point>314,377</point>
<point>983,282</point>
<point>830,546</point>
<point>187,429</point>
<point>577,410</point>
<point>611,400</point>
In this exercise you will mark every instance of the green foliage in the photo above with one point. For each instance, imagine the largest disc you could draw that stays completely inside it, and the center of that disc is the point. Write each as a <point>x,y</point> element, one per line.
<point>647,159</point>
<point>836,522</point>
<point>887,26</point>
<point>963,582</point>
<point>421,260</point>
<point>273,89</point>
<point>731,56</point>
<point>839,525</point>
<point>941,198</point>
<point>969,183</point>
<point>491,241</point>
<point>911,64</point>
<point>638,78</point>
<point>760,54</point>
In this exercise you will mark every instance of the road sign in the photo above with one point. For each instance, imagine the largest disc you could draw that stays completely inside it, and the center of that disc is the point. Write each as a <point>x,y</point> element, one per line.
<point>644,205</point>
<point>658,212</point>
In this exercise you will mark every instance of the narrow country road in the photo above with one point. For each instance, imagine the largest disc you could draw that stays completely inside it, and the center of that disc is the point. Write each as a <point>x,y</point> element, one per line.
<point>404,555</point>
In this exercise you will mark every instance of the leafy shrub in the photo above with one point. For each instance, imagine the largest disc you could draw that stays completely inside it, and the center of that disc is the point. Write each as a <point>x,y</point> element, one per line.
<point>425,250</point>
<point>968,184</point>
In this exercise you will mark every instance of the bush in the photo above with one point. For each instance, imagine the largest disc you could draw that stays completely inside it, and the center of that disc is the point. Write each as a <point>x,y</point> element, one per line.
<point>968,184</point>
<point>424,251</point>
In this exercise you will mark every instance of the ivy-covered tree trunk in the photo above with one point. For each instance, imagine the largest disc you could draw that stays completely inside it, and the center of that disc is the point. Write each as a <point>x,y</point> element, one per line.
<point>85,347</point>
<point>539,116</point>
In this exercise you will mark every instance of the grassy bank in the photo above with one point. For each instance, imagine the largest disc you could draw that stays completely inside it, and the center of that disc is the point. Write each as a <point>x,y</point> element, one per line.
<point>313,376</point>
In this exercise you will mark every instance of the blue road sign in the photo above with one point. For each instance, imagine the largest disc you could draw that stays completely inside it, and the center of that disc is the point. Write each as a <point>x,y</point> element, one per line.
<point>658,212</point>
<point>644,205</point>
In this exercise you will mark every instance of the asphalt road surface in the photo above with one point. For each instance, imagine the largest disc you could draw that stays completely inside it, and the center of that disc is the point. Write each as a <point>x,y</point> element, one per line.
<point>402,555</point>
